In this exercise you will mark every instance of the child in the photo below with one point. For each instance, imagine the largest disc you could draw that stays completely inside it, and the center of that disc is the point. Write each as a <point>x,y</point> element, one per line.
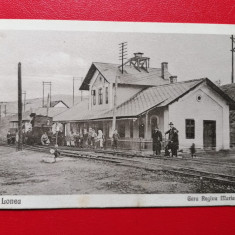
<point>193,150</point>
<point>57,152</point>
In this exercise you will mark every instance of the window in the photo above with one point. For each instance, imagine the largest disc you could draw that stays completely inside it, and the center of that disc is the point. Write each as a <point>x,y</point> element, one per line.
<point>100,97</point>
<point>199,98</point>
<point>94,96</point>
<point>190,128</point>
<point>106,95</point>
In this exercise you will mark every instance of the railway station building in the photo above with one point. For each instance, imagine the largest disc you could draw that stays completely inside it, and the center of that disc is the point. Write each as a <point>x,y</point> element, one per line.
<point>149,97</point>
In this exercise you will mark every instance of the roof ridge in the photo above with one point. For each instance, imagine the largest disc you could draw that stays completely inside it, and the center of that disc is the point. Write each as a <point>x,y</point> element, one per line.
<point>187,81</point>
<point>95,62</point>
<point>131,98</point>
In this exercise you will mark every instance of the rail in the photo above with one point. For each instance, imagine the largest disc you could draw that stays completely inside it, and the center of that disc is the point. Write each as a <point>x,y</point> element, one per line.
<point>122,159</point>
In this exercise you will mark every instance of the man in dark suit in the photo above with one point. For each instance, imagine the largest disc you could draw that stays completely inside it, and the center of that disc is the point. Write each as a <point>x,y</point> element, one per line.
<point>174,143</point>
<point>171,132</point>
<point>157,139</point>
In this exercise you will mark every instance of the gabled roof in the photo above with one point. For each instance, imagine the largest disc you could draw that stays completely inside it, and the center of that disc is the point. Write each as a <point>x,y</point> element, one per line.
<point>161,96</point>
<point>52,112</point>
<point>54,103</point>
<point>25,117</point>
<point>77,112</point>
<point>40,111</point>
<point>130,75</point>
<point>152,97</point>
<point>146,99</point>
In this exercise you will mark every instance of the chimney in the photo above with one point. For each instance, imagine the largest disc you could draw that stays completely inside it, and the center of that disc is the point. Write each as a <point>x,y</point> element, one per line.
<point>173,79</point>
<point>138,54</point>
<point>164,69</point>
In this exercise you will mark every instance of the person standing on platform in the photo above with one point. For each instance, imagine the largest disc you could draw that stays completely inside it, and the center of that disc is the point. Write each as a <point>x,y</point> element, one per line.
<point>100,139</point>
<point>157,140</point>
<point>8,137</point>
<point>89,139</point>
<point>174,143</point>
<point>170,132</point>
<point>93,138</point>
<point>72,139</point>
<point>115,139</point>
<point>85,138</point>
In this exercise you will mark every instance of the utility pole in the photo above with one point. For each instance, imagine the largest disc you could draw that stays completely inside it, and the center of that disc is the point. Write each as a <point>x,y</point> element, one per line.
<point>42,94</point>
<point>50,94</point>
<point>73,89</point>
<point>233,50</point>
<point>81,90</point>
<point>5,110</point>
<point>0,113</point>
<point>19,108</point>
<point>48,97</point>
<point>24,93</point>
<point>76,79</point>
<point>43,87</point>
<point>122,53</point>
<point>115,104</point>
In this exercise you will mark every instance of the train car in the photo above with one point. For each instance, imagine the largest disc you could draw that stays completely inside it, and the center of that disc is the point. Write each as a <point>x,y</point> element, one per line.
<point>40,125</point>
<point>32,130</point>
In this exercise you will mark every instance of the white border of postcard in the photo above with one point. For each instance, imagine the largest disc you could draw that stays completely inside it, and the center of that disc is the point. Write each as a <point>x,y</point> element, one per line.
<point>117,200</point>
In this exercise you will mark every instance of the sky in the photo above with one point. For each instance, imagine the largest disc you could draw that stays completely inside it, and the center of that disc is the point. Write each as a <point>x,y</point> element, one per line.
<point>58,56</point>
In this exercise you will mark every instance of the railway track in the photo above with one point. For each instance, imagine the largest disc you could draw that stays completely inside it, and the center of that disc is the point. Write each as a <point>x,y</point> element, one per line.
<point>134,160</point>
<point>136,154</point>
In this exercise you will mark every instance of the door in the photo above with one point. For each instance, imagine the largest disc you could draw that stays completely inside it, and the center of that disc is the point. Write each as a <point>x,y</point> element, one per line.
<point>154,124</point>
<point>209,134</point>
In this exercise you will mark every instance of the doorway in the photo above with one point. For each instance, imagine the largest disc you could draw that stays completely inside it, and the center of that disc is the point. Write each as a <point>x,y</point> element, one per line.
<point>154,123</point>
<point>209,134</point>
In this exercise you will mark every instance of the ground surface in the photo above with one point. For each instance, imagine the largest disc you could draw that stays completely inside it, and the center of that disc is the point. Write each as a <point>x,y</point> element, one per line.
<point>30,173</point>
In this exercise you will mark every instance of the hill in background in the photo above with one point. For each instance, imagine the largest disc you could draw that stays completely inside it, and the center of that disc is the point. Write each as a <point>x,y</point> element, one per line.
<point>12,107</point>
<point>31,104</point>
<point>229,89</point>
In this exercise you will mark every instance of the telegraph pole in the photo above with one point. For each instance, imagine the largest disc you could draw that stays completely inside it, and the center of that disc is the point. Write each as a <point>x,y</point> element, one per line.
<point>5,110</point>
<point>115,104</point>
<point>19,108</point>
<point>122,57</point>
<point>233,50</point>
<point>48,97</point>
<point>81,90</point>
<point>43,85</point>
<point>76,79</point>
<point>24,93</point>
<point>42,94</point>
<point>73,89</point>
<point>50,94</point>
<point>122,53</point>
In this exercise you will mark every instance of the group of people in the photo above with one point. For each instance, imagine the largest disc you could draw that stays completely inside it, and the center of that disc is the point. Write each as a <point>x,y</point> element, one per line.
<point>173,141</point>
<point>89,139</point>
